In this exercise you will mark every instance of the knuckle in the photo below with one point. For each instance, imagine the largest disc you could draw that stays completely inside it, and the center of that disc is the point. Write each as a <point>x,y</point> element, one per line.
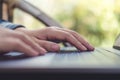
<point>75,33</point>
<point>52,28</point>
<point>47,29</point>
<point>67,34</point>
<point>21,36</point>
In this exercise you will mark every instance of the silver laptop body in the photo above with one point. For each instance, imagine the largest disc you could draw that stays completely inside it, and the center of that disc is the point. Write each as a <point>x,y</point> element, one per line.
<point>68,60</point>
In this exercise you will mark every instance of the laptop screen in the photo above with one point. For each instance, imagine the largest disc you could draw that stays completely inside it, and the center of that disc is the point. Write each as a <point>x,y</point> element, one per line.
<point>117,43</point>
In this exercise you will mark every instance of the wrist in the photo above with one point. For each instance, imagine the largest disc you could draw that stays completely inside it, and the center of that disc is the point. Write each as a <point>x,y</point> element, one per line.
<point>21,29</point>
<point>24,30</point>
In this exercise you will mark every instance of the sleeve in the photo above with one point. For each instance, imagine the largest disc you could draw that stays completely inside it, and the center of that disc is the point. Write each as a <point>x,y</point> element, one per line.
<point>9,25</point>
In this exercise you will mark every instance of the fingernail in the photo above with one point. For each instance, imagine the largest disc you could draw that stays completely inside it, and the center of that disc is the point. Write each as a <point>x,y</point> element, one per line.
<point>55,47</point>
<point>84,48</point>
<point>35,53</point>
<point>43,51</point>
<point>91,47</point>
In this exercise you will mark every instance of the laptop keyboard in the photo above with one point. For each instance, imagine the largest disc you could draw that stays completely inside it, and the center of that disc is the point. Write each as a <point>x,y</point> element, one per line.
<point>91,57</point>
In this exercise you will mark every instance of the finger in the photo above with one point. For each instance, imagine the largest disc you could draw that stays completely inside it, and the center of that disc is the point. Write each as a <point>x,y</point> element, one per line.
<point>23,47</point>
<point>70,38</point>
<point>49,46</point>
<point>65,36</point>
<point>29,41</point>
<point>79,38</point>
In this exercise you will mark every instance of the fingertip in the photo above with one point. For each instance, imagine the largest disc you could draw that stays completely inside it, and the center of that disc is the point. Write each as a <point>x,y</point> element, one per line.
<point>91,48</point>
<point>55,47</point>
<point>34,53</point>
<point>82,48</point>
<point>43,51</point>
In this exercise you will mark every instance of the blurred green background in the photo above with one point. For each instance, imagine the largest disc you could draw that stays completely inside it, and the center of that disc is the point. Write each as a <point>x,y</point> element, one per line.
<point>97,20</point>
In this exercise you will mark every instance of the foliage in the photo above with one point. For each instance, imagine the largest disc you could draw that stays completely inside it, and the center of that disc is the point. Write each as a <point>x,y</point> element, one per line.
<point>96,20</point>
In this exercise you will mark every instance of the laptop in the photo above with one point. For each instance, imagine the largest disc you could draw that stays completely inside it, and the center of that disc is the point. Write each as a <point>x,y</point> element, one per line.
<point>68,63</point>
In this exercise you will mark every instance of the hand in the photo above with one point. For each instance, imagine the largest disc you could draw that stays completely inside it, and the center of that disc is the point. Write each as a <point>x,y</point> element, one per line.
<point>16,41</point>
<point>44,37</point>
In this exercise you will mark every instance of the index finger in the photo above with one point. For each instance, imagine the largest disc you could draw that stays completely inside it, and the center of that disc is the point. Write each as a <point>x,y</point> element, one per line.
<point>80,39</point>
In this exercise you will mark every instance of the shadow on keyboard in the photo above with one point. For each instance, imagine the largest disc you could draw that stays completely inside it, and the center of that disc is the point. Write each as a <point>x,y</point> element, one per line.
<point>13,56</point>
<point>18,55</point>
